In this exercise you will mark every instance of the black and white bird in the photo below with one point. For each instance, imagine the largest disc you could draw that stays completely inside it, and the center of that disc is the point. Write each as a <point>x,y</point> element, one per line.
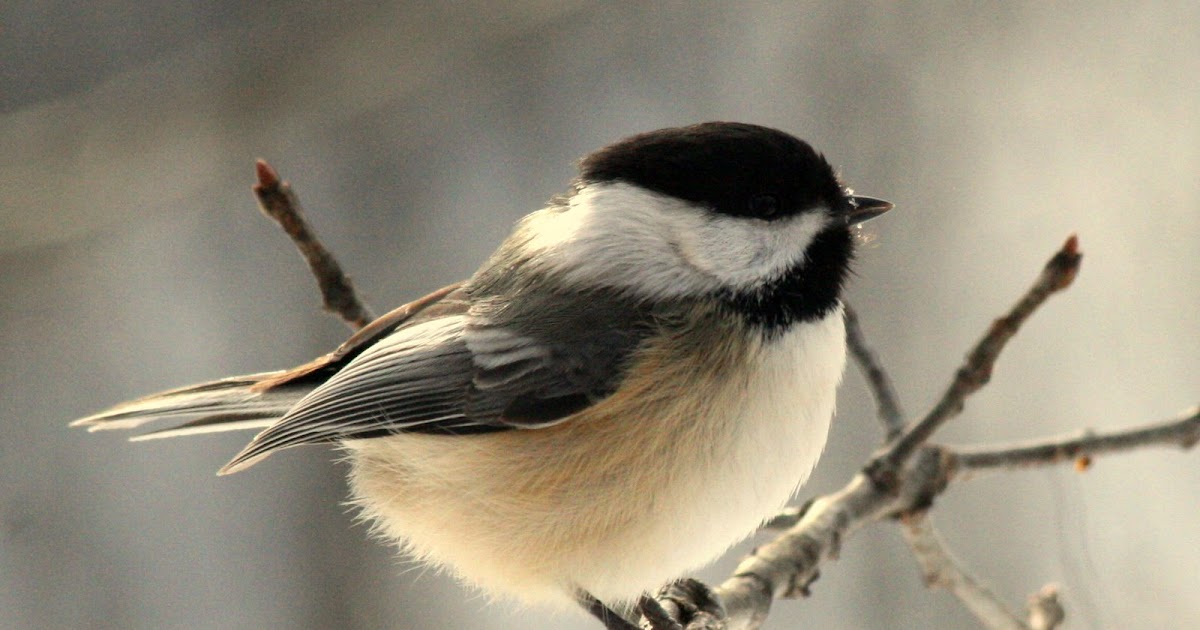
<point>643,372</point>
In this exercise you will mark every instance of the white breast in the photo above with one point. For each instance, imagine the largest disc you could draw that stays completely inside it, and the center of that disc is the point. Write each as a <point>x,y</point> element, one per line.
<point>780,428</point>
<point>623,497</point>
<point>770,429</point>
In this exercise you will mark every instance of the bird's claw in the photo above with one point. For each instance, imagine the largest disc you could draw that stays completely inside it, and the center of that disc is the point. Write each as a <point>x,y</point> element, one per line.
<point>685,604</point>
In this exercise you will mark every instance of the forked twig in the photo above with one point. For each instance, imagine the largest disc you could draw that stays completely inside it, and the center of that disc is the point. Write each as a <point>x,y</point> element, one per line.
<point>976,371</point>
<point>941,569</point>
<point>894,482</point>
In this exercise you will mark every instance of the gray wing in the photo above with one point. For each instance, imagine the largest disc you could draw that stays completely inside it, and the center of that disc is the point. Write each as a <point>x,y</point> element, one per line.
<point>460,373</point>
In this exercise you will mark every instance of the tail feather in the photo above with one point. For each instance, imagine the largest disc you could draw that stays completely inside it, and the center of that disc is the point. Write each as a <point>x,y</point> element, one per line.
<point>230,404</point>
<point>211,424</point>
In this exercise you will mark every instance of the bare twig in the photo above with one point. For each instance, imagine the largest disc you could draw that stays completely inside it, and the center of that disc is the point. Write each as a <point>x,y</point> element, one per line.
<point>1045,611</point>
<point>277,201</point>
<point>788,518</point>
<point>1182,431</point>
<point>938,564</point>
<point>1057,275</point>
<point>788,565</point>
<point>886,401</point>
<point>939,567</point>
<point>893,483</point>
<point>942,570</point>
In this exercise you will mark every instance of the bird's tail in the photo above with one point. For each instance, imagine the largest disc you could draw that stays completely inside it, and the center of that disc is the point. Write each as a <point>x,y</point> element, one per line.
<point>230,404</point>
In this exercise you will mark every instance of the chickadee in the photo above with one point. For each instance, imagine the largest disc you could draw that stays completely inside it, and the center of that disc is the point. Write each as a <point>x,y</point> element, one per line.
<point>642,373</point>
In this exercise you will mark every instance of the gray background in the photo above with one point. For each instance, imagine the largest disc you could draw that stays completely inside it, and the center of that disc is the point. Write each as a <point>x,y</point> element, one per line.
<point>132,259</point>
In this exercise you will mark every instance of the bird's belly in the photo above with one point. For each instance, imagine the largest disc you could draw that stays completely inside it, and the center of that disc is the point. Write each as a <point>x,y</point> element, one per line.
<point>635,491</point>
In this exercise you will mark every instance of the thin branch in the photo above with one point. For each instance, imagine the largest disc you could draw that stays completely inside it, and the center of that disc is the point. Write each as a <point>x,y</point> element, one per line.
<point>886,401</point>
<point>942,570</point>
<point>788,518</point>
<point>277,201</point>
<point>1045,610</point>
<point>788,565</point>
<point>894,482</point>
<point>1182,431</point>
<point>1057,275</point>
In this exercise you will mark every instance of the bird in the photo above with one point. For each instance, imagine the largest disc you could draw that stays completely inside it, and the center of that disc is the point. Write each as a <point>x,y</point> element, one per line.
<point>642,372</point>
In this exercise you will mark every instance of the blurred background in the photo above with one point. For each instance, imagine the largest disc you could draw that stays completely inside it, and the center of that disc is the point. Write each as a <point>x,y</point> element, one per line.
<point>132,259</point>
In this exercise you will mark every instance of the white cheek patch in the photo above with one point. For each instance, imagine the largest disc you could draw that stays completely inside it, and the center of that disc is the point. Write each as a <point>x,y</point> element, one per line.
<point>620,236</point>
<point>623,236</point>
<point>741,251</point>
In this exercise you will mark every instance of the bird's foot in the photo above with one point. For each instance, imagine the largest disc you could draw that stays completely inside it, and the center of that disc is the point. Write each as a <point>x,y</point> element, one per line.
<point>685,604</point>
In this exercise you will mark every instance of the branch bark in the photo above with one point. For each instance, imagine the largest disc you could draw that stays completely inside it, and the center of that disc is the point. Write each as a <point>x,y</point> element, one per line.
<point>788,565</point>
<point>886,400</point>
<point>941,569</point>
<point>902,480</point>
<point>1057,275</point>
<point>277,201</point>
<point>1182,431</point>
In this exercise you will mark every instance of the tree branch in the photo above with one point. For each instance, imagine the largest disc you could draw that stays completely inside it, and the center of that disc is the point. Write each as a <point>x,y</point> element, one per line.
<point>878,380</point>
<point>1045,611</point>
<point>788,565</point>
<point>277,201</point>
<point>915,474</point>
<point>941,569</point>
<point>1182,431</point>
<point>1057,275</point>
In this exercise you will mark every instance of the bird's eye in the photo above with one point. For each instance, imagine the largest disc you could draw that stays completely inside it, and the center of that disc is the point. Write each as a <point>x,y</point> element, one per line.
<point>764,206</point>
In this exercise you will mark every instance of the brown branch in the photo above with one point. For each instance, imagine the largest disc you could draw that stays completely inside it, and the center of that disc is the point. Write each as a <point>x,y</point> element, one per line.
<point>1182,431</point>
<point>788,565</point>
<point>1045,612</point>
<point>1057,275</point>
<point>886,401</point>
<point>277,201</point>
<point>938,564</point>
<point>902,479</point>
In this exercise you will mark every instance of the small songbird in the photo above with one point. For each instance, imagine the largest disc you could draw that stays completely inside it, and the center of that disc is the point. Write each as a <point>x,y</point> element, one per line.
<point>642,373</point>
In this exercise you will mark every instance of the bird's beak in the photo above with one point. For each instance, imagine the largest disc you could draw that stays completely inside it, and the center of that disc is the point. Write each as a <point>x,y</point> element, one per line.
<point>864,209</point>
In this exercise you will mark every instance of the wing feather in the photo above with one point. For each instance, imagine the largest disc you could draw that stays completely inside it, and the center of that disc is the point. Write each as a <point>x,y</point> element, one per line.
<point>453,370</point>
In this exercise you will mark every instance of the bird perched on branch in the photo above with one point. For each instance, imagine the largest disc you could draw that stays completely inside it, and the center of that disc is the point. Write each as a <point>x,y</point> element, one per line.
<point>641,373</point>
